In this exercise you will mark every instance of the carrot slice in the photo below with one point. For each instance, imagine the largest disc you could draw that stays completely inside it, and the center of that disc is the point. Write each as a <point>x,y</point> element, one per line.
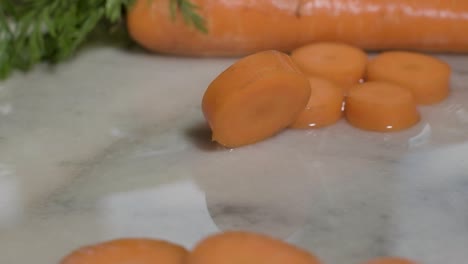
<point>128,250</point>
<point>247,248</point>
<point>380,106</point>
<point>339,62</point>
<point>324,107</point>
<point>255,98</point>
<point>390,260</point>
<point>426,76</point>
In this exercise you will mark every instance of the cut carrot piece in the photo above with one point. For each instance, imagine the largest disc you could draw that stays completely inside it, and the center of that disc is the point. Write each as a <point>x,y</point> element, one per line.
<point>255,98</point>
<point>380,106</point>
<point>426,76</point>
<point>247,248</point>
<point>390,260</point>
<point>338,62</point>
<point>129,250</point>
<point>324,107</point>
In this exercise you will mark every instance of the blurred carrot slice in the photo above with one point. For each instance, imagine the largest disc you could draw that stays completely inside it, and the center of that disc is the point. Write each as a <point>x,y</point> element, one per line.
<point>344,64</point>
<point>129,250</point>
<point>380,106</point>
<point>255,98</point>
<point>426,76</point>
<point>390,260</point>
<point>324,107</point>
<point>234,247</point>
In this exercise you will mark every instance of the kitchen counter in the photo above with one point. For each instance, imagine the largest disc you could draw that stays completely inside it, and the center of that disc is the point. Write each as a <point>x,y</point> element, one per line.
<point>114,144</point>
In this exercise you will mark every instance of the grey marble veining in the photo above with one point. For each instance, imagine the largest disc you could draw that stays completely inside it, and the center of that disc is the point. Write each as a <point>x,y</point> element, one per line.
<point>113,144</point>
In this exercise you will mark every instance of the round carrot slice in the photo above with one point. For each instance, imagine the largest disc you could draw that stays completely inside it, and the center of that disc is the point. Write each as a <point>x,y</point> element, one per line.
<point>390,260</point>
<point>129,250</point>
<point>380,106</point>
<point>338,62</point>
<point>324,107</point>
<point>255,98</point>
<point>426,76</point>
<point>247,248</point>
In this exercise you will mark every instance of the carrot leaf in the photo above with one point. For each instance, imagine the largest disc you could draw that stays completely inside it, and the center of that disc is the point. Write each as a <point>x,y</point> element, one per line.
<point>189,13</point>
<point>35,31</point>
<point>51,31</point>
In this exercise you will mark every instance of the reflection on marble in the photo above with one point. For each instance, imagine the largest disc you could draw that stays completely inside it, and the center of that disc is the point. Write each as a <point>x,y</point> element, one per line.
<point>113,144</point>
<point>10,207</point>
<point>158,212</point>
<point>432,207</point>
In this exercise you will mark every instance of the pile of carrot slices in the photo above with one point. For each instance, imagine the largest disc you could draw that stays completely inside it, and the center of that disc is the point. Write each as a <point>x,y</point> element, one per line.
<point>318,84</point>
<point>222,248</point>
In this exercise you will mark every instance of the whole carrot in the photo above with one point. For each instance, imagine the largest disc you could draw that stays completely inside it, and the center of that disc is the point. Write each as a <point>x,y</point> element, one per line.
<point>431,25</point>
<point>245,26</point>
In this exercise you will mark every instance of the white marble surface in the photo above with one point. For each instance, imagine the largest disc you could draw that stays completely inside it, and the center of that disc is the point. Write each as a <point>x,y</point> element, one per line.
<point>113,144</point>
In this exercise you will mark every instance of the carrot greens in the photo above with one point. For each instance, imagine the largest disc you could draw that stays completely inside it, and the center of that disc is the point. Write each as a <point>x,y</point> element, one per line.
<point>35,31</point>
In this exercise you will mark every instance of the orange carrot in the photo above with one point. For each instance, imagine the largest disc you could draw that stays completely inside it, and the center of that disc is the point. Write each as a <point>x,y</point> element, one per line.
<point>129,250</point>
<point>241,27</point>
<point>426,76</point>
<point>430,25</point>
<point>234,27</point>
<point>255,98</point>
<point>338,62</point>
<point>324,107</point>
<point>380,106</point>
<point>247,248</point>
<point>391,260</point>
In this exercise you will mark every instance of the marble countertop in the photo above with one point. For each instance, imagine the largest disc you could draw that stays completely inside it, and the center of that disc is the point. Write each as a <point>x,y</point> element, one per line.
<point>114,144</point>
